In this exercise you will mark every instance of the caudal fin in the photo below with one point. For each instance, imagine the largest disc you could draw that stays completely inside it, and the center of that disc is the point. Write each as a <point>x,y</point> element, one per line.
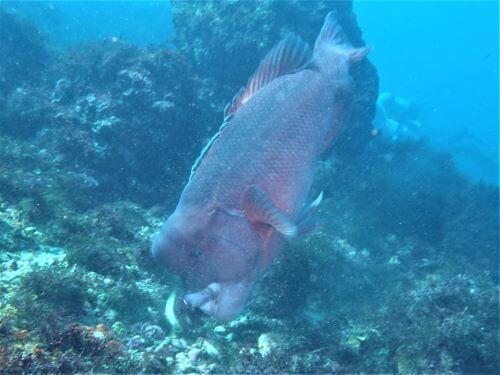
<point>332,35</point>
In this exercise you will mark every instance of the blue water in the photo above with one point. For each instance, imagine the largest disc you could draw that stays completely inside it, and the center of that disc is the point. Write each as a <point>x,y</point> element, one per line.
<point>441,55</point>
<point>140,22</point>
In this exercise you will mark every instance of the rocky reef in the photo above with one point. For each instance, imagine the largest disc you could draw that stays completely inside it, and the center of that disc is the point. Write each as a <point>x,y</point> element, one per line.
<point>112,113</point>
<point>95,146</point>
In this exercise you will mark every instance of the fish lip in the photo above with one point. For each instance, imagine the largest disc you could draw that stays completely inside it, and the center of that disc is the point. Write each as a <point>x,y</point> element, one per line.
<point>203,297</point>
<point>222,301</point>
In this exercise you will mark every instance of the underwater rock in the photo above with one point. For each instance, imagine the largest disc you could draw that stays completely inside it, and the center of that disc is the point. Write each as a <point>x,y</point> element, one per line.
<point>24,111</point>
<point>24,59</point>
<point>473,229</point>
<point>23,53</point>
<point>193,354</point>
<point>120,113</point>
<point>394,179</point>
<point>152,332</point>
<point>240,33</point>
<point>266,344</point>
<point>136,342</point>
<point>131,123</point>
<point>210,350</point>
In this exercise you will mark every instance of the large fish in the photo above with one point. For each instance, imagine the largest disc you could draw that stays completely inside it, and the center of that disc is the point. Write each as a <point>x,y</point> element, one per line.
<point>248,189</point>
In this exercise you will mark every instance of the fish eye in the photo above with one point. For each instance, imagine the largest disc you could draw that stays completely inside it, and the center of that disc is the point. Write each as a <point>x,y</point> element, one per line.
<point>195,253</point>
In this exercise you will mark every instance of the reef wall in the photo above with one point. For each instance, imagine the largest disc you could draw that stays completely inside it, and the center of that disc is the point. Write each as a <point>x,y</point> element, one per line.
<point>127,119</point>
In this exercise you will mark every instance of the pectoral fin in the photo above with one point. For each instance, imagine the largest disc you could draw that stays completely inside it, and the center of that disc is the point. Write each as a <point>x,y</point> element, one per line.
<point>260,208</point>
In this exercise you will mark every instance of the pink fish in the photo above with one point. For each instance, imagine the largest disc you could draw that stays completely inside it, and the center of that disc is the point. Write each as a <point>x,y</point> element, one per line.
<point>248,189</point>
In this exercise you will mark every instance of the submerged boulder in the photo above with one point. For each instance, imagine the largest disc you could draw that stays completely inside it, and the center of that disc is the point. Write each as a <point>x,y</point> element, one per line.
<point>23,53</point>
<point>126,114</point>
<point>24,57</point>
<point>123,116</point>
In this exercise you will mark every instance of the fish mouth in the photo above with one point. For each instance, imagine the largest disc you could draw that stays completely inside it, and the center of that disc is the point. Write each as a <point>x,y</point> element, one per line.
<point>205,299</point>
<point>223,301</point>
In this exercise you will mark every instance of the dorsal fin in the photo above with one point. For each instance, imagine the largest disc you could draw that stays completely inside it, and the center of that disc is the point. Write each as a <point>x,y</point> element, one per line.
<point>289,55</point>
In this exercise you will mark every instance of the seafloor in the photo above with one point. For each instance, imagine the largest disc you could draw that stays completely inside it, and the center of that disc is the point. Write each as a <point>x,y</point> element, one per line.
<point>96,142</point>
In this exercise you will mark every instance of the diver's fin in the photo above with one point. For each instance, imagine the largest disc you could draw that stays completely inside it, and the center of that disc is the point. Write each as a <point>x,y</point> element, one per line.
<point>289,55</point>
<point>332,33</point>
<point>260,208</point>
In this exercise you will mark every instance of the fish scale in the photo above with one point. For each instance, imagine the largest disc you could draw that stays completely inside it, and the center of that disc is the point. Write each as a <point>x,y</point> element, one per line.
<point>283,139</point>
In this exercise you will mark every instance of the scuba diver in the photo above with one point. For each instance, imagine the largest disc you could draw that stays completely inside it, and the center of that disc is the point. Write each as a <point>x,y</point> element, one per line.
<point>397,117</point>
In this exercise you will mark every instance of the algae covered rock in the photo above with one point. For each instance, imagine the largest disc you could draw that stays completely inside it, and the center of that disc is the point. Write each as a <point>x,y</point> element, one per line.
<point>124,119</point>
<point>240,33</point>
<point>23,52</point>
<point>126,114</point>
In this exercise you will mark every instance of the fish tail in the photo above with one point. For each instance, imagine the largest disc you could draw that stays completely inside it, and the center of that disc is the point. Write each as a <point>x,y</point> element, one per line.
<point>333,38</point>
